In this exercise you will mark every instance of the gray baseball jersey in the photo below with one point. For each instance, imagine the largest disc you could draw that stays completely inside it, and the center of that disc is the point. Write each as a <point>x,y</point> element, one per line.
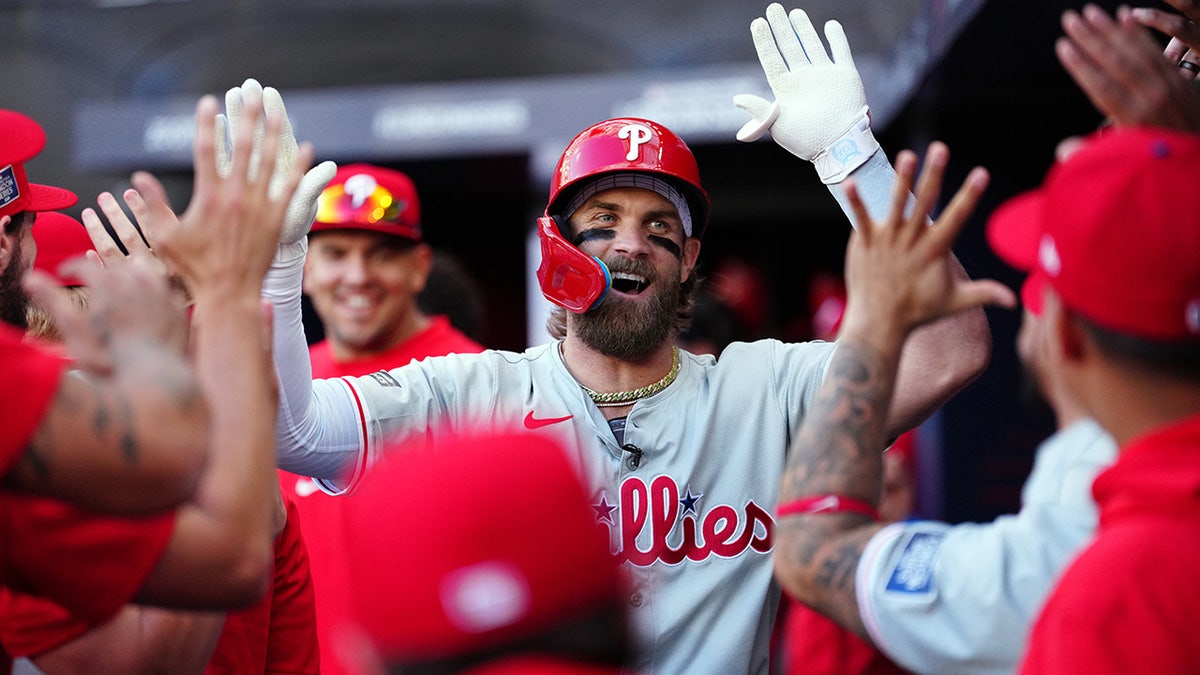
<point>960,599</point>
<point>692,517</point>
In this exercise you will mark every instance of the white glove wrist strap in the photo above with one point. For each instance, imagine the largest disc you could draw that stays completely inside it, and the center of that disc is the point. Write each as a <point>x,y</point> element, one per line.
<point>836,162</point>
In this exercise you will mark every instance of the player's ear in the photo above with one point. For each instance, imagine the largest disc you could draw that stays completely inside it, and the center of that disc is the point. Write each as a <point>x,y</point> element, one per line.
<point>691,254</point>
<point>1067,338</point>
<point>422,260</point>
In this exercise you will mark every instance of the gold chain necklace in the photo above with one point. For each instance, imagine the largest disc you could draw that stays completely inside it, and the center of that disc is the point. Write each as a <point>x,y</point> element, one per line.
<point>619,398</point>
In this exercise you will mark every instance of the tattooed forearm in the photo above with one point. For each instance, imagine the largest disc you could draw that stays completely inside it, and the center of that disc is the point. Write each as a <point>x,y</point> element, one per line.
<point>838,451</point>
<point>838,447</point>
<point>836,570</point>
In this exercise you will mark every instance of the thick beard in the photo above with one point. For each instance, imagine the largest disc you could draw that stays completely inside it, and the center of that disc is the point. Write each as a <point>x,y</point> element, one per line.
<point>629,330</point>
<point>14,303</point>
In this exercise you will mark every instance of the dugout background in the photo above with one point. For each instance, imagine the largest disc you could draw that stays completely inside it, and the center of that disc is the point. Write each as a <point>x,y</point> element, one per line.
<point>111,81</point>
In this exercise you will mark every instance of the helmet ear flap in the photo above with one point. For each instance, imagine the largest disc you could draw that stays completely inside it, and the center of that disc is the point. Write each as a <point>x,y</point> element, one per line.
<point>569,277</point>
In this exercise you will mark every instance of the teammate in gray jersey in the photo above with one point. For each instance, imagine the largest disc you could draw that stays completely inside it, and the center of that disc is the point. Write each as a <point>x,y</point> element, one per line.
<point>683,453</point>
<point>940,598</point>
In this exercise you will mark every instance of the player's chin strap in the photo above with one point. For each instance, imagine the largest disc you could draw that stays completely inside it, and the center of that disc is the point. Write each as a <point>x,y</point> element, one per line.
<point>569,277</point>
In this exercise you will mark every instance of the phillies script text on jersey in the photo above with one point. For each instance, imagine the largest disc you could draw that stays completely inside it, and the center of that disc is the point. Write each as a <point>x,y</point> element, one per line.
<point>721,530</point>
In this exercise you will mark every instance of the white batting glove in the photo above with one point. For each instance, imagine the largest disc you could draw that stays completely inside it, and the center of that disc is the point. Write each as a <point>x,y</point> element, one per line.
<point>293,242</point>
<point>820,110</point>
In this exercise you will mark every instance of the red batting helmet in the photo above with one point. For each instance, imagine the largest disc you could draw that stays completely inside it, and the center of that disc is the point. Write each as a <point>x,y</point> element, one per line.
<point>366,197</point>
<point>569,277</point>
<point>629,144</point>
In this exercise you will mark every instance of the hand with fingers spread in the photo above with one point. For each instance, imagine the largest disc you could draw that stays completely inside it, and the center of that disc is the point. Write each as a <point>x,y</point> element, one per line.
<point>227,236</point>
<point>1122,70</point>
<point>820,110</point>
<point>899,270</point>
<point>303,205</point>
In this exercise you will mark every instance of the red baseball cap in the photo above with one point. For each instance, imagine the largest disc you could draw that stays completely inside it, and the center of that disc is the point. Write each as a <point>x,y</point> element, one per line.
<point>367,197</point>
<point>1115,231</point>
<point>59,238</point>
<point>473,543</point>
<point>21,139</point>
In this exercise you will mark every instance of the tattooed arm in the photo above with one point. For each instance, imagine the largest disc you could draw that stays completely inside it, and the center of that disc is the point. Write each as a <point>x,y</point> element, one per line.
<point>899,277</point>
<point>127,430</point>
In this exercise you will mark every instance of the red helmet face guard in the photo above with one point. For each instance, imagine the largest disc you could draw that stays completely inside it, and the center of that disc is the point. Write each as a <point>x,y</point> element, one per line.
<point>569,277</point>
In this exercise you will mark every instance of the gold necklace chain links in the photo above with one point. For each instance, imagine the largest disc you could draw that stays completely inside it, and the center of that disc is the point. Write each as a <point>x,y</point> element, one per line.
<point>618,398</point>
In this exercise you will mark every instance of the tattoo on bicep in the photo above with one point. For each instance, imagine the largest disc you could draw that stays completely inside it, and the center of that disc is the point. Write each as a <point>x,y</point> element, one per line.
<point>128,438</point>
<point>118,424</point>
<point>35,463</point>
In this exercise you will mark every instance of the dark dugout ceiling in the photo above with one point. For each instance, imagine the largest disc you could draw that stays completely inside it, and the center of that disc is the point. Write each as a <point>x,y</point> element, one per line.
<point>427,78</point>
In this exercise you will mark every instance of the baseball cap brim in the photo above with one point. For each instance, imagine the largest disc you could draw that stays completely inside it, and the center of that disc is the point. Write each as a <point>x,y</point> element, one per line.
<point>1013,231</point>
<point>397,230</point>
<point>49,198</point>
<point>1015,228</point>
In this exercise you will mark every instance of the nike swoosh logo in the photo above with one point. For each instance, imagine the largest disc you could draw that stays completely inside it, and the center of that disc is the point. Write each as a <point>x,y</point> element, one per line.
<point>830,503</point>
<point>532,422</point>
<point>305,487</point>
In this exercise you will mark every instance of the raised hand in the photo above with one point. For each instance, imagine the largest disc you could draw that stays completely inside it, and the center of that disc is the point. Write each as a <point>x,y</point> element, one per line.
<point>899,271</point>
<point>1122,70</point>
<point>820,110</point>
<point>303,205</point>
<point>227,236</point>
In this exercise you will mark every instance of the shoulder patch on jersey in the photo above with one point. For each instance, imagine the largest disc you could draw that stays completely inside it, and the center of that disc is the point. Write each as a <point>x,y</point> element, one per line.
<point>384,378</point>
<point>912,571</point>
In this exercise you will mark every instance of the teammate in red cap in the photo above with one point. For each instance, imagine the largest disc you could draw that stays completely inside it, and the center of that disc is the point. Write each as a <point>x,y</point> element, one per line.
<point>682,453</point>
<point>482,594</point>
<point>59,238</point>
<point>52,446</point>
<point>276,635</point>
<point>1113,239</point>
<point>214,550</point>
<point>367,263</point>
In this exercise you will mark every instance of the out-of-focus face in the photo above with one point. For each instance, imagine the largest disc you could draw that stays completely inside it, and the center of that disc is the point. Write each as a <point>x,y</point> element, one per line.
<point>363,285</point>
<point>639,235</point>
<point>1028,348</point>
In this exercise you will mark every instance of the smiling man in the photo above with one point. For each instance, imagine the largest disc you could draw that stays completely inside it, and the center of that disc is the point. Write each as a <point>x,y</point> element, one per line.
<point>367,263</point>
<point>682,454</point>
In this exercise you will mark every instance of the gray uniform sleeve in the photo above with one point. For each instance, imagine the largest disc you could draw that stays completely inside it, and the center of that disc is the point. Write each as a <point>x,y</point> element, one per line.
<point>938,598</point>
<point>875,179</point>
<point>318,431</point>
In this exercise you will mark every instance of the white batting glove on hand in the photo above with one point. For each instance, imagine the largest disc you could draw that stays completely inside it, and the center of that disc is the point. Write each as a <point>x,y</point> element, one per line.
<point>820,110</point>
<point>293,240</point>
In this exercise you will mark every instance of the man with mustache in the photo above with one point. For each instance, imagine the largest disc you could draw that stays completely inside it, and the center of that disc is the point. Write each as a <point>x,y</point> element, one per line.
<point>682,453</point>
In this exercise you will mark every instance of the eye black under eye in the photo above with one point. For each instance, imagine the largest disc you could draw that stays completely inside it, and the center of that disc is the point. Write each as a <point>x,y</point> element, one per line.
<point>594,235</point>
<point>664,243</point>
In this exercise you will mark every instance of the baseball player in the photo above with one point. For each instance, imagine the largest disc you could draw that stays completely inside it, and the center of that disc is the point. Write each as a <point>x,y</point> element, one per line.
<point>51,444</point>
<point>276,635</point>
<point>683,453</point>
<point>1113,236</point>
<point>214,550</point>
<point>367,263</point>
<point>961,599</point>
